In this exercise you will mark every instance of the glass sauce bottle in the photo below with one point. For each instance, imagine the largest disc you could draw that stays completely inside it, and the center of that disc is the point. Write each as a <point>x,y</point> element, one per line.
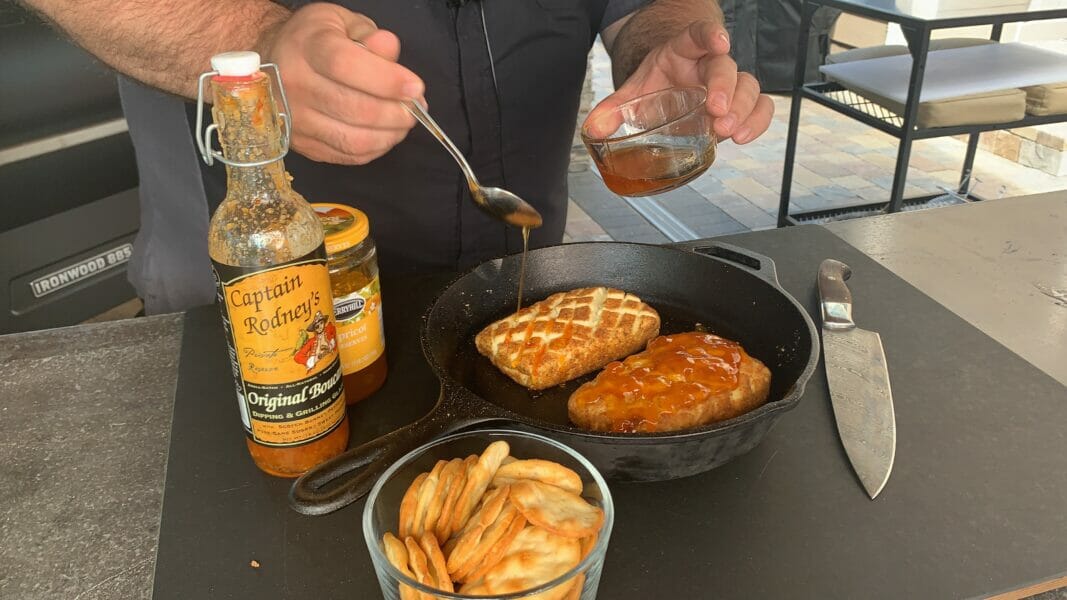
<point>266,247</point>
<point>357,298</point>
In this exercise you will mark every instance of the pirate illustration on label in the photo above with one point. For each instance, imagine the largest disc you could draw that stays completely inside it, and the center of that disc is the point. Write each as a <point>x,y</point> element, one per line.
<point>321,343</point>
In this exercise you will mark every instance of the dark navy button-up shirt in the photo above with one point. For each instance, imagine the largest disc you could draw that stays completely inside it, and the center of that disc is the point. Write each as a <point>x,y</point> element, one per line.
<point>503,79</point>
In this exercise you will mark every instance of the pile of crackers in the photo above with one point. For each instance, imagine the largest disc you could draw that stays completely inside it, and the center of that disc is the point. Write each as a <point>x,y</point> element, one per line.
<point>494,524</point>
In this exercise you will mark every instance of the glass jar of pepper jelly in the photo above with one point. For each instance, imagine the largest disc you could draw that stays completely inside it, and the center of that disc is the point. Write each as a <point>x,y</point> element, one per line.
<point>357,298</point>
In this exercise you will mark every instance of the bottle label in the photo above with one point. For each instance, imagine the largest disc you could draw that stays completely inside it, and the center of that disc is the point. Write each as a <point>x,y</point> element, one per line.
<point>360,331</point>
<point>279,325</point>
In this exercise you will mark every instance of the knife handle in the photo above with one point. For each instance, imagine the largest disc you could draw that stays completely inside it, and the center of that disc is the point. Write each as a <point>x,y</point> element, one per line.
<point>834,297</point>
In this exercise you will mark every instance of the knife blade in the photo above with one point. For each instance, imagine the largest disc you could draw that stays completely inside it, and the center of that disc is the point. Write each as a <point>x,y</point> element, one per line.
<point>858,378</point>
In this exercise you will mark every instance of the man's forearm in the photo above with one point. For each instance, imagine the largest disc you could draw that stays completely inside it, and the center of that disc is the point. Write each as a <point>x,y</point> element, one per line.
<point>653,25</point>
<point>164,43</point>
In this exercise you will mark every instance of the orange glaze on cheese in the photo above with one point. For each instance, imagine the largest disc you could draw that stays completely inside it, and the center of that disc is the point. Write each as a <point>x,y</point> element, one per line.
<point>672,373</point>
<point>531,342</point>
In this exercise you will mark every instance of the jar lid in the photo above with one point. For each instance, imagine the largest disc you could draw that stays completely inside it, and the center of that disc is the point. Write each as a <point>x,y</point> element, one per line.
<point>343,226</point>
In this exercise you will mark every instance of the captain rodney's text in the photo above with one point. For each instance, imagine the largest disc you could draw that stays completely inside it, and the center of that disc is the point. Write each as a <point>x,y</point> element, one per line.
<point>266,296</point>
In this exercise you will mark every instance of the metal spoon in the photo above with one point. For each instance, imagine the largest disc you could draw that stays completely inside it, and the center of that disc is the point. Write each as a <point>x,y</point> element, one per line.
<point>498,202</point>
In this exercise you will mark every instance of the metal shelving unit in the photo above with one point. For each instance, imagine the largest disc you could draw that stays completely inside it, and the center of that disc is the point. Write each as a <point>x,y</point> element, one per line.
<point>904,126</point>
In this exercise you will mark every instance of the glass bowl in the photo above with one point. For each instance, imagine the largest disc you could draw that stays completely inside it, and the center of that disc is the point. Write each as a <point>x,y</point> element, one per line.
<point>652,143</point>
<point>381,513</point>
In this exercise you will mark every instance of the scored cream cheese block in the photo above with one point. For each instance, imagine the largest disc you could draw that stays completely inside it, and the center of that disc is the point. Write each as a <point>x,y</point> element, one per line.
<point>568,335</point>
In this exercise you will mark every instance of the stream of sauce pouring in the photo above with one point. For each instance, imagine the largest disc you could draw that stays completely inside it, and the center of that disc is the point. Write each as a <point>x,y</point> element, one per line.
<point>522,265</point>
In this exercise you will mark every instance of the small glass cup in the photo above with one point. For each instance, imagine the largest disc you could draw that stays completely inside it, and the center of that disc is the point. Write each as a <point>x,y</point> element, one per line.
<point>653,143</point>
<point>381,513</point>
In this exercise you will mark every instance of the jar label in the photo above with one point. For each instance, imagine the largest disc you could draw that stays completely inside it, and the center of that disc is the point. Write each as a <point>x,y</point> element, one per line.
<point>279,326</point>
<point>359,327</point>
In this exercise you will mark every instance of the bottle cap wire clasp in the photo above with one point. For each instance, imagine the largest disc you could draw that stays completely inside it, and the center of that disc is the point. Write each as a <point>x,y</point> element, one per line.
<point>203,136</point>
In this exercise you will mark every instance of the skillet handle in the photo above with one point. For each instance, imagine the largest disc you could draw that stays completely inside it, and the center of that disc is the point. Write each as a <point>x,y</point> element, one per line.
<point>348,477</point>
<point>759,265</point>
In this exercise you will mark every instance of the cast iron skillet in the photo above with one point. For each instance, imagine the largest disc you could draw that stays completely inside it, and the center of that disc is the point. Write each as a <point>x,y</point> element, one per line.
<point>730,291</point>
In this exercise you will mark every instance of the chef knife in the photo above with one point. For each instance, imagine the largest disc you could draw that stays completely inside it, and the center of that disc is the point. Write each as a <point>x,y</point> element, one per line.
<point>859,382</point>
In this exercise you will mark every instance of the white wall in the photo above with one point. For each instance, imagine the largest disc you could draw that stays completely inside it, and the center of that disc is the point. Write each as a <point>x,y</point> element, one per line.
<point>1013,32</point>
<point>1043,30</point>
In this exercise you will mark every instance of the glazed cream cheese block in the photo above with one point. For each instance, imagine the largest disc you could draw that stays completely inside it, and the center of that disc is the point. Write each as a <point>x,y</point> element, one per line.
<point>680,381</point>
<point>568,335</point>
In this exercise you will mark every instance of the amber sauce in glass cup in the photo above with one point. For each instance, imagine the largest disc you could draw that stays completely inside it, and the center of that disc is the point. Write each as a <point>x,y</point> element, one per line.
<point>653,143</point>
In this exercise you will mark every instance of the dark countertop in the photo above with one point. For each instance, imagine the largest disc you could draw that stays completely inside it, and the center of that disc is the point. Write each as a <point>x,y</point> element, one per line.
<point>84,430</point>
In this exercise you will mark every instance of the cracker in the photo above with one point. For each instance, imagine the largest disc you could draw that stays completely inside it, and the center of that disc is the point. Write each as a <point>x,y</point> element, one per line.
<point>575,592</point>
<point>480,521</point>
<point>588,543</point>
<point>450,546</point>
<point>445,480</point>
<point>419,564</point>
<point>497,551</point>
<point>484,514</point>
<point>544,471</point>
<point>443,528</point>
<point>556,510</point>
<point>397,553</point>
<point>426,495</point>
<point>537,556</point>
<point>436,561</point>
<point>489,538</point>
<point>478,479</point>
<point>407,506</point>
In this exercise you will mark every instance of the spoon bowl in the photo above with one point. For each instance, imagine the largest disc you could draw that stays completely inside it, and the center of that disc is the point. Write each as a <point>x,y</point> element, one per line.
<point>506,206</point>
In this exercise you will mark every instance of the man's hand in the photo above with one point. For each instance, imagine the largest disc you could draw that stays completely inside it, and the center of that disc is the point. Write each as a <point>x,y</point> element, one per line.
<point>343,84</point>
<point>700,55</point>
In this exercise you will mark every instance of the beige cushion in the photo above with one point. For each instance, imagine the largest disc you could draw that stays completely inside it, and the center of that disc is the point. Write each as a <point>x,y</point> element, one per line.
<point>1000,106</point>
<point>952,43</point>
<point>1049,99</point>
